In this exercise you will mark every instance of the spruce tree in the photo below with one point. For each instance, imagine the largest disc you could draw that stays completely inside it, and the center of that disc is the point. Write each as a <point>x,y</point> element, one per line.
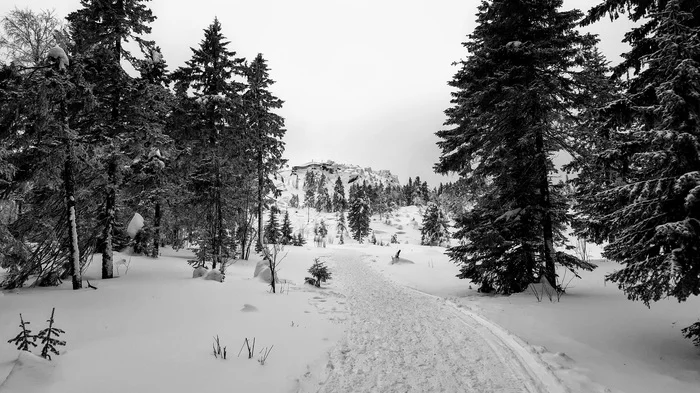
<point>286,230</point>
<point>341,228</point>
<point>310,188</point>
<point>359,214</point>
<point>435,230</point>
<point>339,201</point>
<point>44,115</point>
<point>322,229</point>
<point>101,29</point>
<point>210,105</point>
<point>593,138</point>
<point>513,94</point>
<point>323,200</point>
<point>649,214</point>
<point>272,231</point>
<point>266,127</point>
<point>408,192</point>
<point>294,201</point>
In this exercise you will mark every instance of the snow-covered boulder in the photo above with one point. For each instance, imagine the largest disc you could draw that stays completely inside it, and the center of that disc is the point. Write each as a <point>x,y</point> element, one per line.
<point>200,271</point>
<point>215,275</point>
<point>249,308</point>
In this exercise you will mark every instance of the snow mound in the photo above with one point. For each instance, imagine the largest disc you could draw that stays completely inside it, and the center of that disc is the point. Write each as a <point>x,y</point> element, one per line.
<point>199,272</point>
<point>30,374</point>
<point>215,275</point>
<point>262,272</point>
<point>260,266</point>
<point>249,308</point>
<point>135,225</point>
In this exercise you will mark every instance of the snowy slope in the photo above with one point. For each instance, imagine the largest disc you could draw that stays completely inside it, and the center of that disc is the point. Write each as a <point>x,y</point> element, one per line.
<point>291,180</point>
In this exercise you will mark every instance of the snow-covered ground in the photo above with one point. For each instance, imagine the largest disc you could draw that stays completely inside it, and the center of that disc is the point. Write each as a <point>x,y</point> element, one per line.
<point>593,336</point>
<point>399,340</point>
<point>376,326</point>
<point>152,330</point>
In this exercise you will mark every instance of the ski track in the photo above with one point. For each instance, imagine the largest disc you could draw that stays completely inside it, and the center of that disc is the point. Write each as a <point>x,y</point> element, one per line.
<point>399,340</point>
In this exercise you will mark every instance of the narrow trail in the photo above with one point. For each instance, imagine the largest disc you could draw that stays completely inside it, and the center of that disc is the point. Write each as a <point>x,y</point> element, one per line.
<point>400,340</point>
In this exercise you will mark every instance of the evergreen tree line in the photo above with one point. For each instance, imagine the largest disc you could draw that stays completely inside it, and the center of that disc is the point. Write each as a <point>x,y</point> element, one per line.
<point>85,144</point>
<point>383,198</point>
<point>533,85</point>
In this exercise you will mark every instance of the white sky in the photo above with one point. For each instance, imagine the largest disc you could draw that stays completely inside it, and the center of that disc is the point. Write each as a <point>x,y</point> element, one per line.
<point>364,81</point>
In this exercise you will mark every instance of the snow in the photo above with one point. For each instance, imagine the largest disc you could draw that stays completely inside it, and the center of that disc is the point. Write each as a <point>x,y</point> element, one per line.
<point>29,374</point>
<point>375,326</point>
<point>400,340</point>
<point>153,329</point>
<point>135,225</point>
<point>593,338</point>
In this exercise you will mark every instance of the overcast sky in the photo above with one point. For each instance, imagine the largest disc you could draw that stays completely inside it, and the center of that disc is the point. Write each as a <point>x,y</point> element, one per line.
<point>364,81</point>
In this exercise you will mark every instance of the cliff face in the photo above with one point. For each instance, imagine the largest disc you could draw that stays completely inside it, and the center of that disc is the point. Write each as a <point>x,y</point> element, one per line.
<point>291,181</point>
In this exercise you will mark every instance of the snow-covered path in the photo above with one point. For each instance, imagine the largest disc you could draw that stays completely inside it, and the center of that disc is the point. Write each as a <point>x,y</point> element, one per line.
<point>400,340</point>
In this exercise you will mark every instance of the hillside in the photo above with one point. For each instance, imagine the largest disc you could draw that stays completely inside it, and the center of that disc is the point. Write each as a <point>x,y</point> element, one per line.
<point>291,180</point>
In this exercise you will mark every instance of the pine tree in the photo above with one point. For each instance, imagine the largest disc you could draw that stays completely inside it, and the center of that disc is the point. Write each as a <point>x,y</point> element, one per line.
<point>650,212</point>
<point>43,115</point>
<point>299,240</point>
<point>514,92</point>
<point>322,229</point>
<point>266,126</point>
<point>49,338</point>
<point>286,230</point>
<point>319,273</point>
<point>593,139</point>
<point>339,201</point>
<point>310,188</point>
<point>149,181</point>
<point>294,201</point>
<point>359,214</point>
<point>323,200</point>
<point>25,338</point>
<point>212,123</point>
<point>341,228</point>
<point>101,29</point>
<point>272,232</point>
<point>435,230</point>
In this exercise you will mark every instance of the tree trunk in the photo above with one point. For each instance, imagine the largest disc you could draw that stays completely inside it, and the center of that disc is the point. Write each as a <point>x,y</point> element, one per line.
<point>69,183</point>
<point>218,220</point>
<point>546,206</point>
<point>112,170</point>
<point>110,205</point>
<point>156,231</point>
<point>244,237</point>
<point>260,199</point>
<point>272,272</point>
